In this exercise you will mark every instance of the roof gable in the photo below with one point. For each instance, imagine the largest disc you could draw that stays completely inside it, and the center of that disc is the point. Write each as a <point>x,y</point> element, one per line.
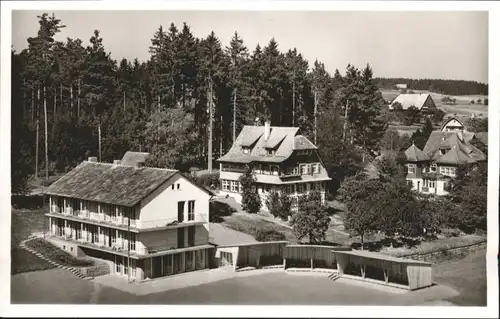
<point>407,100</point>
<point>109,183</point>
<point>450,120</point>
<point>280,138</point>
<point>414,154</point>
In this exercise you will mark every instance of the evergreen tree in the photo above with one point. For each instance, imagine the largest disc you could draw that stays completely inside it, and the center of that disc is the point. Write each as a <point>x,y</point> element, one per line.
<point>250,199</point>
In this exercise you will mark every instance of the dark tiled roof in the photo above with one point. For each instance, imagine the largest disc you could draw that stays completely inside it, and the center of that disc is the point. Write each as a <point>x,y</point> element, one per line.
<point>483,137</point>
<point>108,183</point>
<point>302,143</point>
<point>414,154</point>
<point>460,149</point>
<point>133,158</point>
<point>283,137</point>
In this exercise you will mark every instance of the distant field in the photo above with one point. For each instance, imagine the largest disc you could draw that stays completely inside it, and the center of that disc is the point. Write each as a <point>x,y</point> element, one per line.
<point>463,108</point>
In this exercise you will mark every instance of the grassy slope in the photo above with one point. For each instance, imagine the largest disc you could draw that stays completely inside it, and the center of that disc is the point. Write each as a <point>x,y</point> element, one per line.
<point>25,222</point>
<point>468,276</point>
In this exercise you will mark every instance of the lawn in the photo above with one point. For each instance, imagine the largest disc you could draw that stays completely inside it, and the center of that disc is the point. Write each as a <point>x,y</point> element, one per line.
<point>56,254</point>
<point>468,276</point>
<point>24,261</point>
<point>24,223</point>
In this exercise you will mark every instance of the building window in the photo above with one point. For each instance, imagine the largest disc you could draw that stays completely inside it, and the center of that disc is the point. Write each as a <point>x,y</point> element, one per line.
<point>191,235</point>
<point>132,241</point>
<point>303,169</point>
<point>433,168</point>
<point>191,210</point>
<point>295,170</point>
<point>240,187</point>
<point>270,152</point>
<point>274,170</point>
<point>234,186</point>
<point>189,260</point>
<point>429,183</point>
<point>173,186</point>
<point>316,169</point>
<point>225,185</point>
<point>200,259</point>
<point>180,211</point>
<point>301,188</point>
<point>411,168</point>
<point>178,186</point>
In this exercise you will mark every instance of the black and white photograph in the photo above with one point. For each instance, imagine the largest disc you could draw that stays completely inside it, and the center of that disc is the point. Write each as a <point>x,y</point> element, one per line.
<point>265,157</point>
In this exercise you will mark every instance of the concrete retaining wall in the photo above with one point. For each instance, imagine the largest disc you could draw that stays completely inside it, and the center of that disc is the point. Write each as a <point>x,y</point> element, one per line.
<point>100,269</point>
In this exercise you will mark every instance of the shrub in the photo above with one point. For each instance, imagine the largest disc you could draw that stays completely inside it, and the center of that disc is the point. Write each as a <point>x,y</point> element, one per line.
<point>269,235</point>
<point>207,179</point>
<point>218,210</point>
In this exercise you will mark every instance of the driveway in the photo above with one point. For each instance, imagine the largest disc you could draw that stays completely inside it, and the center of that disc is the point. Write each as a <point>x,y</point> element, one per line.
<point>59,287</point>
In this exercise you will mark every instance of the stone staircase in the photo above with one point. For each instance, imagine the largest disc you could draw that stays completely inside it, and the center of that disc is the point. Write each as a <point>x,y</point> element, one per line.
<point>72,270</point>
<point>333,276</point>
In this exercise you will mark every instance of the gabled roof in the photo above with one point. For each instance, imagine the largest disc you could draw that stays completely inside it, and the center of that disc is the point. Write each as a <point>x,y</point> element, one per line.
<point>303,143</point>
<point>280,137</point>
<point>407,100</point>
<point>452,119</point>
<point>457,150</point>
<point>414,154</point>
<point>133,158</point>
<point>108,183</point>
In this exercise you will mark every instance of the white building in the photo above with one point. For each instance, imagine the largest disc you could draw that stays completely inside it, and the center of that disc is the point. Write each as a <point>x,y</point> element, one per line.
<point>144,222</point>
<point>431,169</point>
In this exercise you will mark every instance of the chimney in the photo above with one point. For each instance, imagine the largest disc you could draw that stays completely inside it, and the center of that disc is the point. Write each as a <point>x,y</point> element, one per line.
<point>267,130</point>
<point>116,162</point>
<point>92,159</point>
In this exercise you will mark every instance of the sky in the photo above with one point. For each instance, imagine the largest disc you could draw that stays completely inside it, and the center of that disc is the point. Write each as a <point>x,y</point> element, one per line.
<point>411,44</point>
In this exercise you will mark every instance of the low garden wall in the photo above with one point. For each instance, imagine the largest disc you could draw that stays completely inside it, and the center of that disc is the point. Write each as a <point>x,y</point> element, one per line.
<point>439,255</point>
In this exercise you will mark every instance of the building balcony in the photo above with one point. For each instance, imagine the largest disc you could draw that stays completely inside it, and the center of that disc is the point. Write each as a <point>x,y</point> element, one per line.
<point>121,223</point>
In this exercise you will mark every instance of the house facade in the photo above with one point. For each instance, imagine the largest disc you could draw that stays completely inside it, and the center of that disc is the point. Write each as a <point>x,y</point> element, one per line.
<point>431,169</point>
<point>144,222</point>
<point>281,160</point>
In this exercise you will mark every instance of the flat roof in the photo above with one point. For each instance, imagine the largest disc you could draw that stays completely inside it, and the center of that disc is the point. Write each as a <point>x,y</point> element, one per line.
<point>379,256</point>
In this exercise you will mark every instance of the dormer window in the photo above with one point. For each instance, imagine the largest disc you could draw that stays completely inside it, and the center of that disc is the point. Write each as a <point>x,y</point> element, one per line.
<point>443,151</point>
<point>433,168</point>
<point>271,152</point>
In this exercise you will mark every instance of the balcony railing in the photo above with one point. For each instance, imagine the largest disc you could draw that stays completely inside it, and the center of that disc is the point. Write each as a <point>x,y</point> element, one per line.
<point>173,222</point>
<point>92,216</point>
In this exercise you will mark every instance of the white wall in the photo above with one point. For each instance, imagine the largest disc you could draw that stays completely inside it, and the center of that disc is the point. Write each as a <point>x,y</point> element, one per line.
<point>160,207</point>
<point>167,239</point>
